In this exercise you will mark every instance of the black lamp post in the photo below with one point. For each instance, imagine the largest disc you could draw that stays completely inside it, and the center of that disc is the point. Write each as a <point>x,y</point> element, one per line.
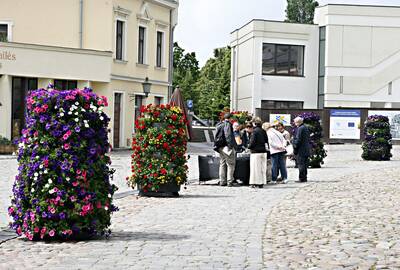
<point>146,87</point>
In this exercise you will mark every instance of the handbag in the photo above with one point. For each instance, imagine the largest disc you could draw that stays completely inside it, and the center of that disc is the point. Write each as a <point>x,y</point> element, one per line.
<point>289,150</point>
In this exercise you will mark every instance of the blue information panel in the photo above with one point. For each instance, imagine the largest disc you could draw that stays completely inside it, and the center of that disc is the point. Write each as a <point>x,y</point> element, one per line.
<point>345,124</point>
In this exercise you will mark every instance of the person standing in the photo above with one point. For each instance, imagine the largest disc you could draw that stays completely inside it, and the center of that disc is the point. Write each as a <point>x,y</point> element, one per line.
<point>258,156</point>
<point>277,147</point>
<point>238,137</point>
<point>225,145</point>
<point>301,146</point>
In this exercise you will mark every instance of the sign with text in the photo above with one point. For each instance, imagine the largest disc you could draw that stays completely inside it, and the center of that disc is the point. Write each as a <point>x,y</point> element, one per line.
<point>345,124</point>
<point>394,120</point>
<point>280,118</point>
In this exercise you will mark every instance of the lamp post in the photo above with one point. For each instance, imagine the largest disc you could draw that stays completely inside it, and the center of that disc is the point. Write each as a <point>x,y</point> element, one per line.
<point>146,87</point>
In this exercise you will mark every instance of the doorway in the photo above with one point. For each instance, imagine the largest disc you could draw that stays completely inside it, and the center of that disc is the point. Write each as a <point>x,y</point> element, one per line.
<point>20,88</point>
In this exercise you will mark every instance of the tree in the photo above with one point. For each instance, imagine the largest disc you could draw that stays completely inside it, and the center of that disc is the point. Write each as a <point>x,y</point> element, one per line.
<point>213,85</point>
<point>186,73</point>
<point>300,11</point>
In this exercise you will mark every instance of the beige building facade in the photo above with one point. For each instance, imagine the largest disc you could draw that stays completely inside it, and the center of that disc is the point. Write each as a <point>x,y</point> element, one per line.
<point>111,46</point>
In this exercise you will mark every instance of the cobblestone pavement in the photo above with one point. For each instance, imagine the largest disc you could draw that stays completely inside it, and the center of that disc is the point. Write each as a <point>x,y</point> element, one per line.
<point>211,227</point>
<point>348,222</point>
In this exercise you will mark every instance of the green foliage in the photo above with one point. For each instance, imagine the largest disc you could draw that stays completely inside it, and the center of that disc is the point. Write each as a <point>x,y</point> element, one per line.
<point>213,85</point>
<point>300,11</point>
<point>186,74</point>
<point>5,141</point>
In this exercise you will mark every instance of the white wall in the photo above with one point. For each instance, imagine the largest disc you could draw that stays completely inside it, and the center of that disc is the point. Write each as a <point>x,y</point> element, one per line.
<point>252,87</point>
<point>363,51</point>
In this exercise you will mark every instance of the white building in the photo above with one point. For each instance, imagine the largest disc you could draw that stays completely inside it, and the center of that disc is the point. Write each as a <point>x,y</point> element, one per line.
<point>347,59</point>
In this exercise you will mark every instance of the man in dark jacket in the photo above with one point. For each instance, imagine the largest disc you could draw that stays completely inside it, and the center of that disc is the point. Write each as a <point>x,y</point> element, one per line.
<point>227,153</point>
<point>301,146</point>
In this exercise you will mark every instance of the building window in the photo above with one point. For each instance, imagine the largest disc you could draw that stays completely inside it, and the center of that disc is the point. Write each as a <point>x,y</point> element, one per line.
<point>283,60</point>
<point>275,104</point>
<point>142,43</point>
<point>138,105</point>
<point>3,32</point>
<point>160,45</point>
<point>119,54</point>
<point>65,84</point>
<point>158,100</point>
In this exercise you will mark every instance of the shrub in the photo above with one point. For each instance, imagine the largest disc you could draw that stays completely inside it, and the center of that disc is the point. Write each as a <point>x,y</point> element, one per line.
<point>237,116</point>
<point>5,141</point>
<point>159,147</point>
<point>377,142</point>
<point>63,186</point>
<point>313,123</point>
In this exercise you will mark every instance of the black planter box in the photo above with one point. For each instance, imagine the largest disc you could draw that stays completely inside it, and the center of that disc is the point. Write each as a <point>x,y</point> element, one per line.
<point>165,190</point>
<point>209,169</point>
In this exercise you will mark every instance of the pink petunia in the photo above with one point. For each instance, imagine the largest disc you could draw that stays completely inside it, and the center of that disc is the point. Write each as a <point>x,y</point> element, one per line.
<point>52,233</point>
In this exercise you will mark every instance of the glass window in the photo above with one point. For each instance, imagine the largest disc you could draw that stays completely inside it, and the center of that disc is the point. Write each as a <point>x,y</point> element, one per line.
<point>296,60</point>
<point>138,105</point>
<point>268,59</point>
<point>158,100</point>
<point>160,39</point>
<point>283,60</point>
<point>3,32</point>
<point>65,84</point>
<point>119,40</point>
<point>141,50</point>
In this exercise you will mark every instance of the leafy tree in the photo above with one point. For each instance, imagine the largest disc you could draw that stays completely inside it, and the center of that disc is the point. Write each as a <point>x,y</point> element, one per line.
<point>300,11</point>
<point>186,73</point>
<point>213,85</point>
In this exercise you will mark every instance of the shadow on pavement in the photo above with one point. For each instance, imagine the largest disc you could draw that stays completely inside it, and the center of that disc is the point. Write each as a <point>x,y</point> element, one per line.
<point>143,236</point>
<point>203,196</point>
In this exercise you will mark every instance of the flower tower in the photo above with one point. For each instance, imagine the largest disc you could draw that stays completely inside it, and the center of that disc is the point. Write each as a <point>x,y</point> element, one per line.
<point>313,123</point>
<point>377,142</point>
<point>159,147</point>
<point>63,186</point>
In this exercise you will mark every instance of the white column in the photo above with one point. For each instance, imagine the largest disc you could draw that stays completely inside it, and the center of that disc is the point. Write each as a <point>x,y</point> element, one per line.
<point>6,105</point>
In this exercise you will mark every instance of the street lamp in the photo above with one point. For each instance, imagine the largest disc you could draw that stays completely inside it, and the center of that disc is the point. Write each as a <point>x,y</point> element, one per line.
<point>146,87</point>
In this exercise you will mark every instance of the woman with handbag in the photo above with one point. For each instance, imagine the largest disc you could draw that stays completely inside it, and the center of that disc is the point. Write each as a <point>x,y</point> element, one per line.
<point>277,147</point>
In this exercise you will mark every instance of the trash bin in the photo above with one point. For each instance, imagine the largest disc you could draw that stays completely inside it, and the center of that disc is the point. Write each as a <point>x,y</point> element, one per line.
<point>208,168</point>
<point>242,169</point>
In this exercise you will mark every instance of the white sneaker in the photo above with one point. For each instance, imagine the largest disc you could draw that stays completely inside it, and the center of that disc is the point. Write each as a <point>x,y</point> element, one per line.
<point>273,182</point>
<point>285,181</point>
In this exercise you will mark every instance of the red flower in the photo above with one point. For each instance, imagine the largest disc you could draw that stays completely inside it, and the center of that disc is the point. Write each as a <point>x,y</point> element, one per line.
<point>160,137</point>
<point>163,171</point>
<point>165,145</point>
<point>169,132</point>
<point>174,117</point>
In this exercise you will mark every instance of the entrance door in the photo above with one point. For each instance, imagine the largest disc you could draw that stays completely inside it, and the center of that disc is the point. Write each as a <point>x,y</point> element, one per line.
<point>20,87</point>
<point>117,119</point>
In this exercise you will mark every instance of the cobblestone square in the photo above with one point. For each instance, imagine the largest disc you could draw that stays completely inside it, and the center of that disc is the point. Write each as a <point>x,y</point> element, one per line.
<point>346,217</point>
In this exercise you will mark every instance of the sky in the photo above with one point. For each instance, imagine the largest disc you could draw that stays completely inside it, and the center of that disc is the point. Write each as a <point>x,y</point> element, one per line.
<point>204,25</point>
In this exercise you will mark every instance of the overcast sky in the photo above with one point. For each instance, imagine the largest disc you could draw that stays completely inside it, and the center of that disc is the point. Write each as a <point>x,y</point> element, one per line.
<point>206,24</point>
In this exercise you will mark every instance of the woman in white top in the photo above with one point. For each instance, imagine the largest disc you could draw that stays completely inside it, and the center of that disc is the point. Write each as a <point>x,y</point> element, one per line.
<point>277,147</point>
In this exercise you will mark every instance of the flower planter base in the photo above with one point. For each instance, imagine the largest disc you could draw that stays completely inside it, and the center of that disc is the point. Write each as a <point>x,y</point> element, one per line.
<point>169,190</point>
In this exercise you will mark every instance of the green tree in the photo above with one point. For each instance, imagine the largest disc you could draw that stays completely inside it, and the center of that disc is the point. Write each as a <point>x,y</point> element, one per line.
<point>186,73</point>
<point>213,85</point>
<point>300,11</point>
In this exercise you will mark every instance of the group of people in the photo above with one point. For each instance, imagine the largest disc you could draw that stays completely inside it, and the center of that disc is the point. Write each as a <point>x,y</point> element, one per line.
<point>268,145</point>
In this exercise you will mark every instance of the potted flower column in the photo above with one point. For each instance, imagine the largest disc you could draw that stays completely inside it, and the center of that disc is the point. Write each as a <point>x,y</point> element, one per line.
<point>318,153</point>
<point>159,146</point>
<point>63,186</point>
<point>377,143</point>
